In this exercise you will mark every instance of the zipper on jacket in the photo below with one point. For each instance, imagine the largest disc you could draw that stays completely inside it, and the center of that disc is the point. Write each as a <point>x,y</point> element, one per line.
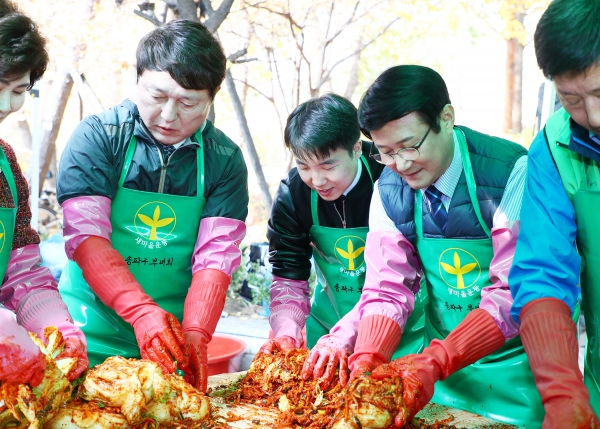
<point>163,169</point>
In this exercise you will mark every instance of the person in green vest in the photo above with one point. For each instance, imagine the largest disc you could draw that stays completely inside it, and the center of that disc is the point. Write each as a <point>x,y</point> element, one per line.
<point>556,261</point>
<point>321,210</point>
<point>446,207</point>
<point>29,298</point>
<point>154,200</point>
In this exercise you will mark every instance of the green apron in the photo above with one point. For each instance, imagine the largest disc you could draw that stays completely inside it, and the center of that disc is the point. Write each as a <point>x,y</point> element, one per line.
<point>581,177</point>
<point>156,234</point>
<point>340,267</point>
<point>501,385</point>
<point>8,216</point>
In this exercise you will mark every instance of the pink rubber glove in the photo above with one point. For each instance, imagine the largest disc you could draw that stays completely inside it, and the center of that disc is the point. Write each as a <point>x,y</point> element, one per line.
<point>332,350</point>
<point>378,337</point>
<point>327,355</point>
<point>201,312</point>
<point>21,361</point>
<point>158,333</point>
<point>283,343</point>
<point>474,338</point>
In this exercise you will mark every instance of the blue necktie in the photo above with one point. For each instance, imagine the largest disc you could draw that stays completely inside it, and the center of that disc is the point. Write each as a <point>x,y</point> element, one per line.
<point>436,207</point>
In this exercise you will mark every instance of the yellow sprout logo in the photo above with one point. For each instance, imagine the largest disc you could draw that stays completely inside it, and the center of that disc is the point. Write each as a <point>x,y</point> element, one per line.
<point>155,221</point>
<point>2,236</point>
<point>349,250</point>
<point>459,269</point>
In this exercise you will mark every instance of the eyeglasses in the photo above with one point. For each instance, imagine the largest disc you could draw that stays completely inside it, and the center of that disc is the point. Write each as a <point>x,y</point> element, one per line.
<point>408,153</point>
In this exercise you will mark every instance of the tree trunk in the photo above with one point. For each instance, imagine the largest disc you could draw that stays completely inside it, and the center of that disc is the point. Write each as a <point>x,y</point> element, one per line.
<point>187,9</point>
<point>25,133</point>
<point>510,84</point>
<point>53,114</point>
<point>243,123</point>
<point>353,79</point>
<point>517,101</point>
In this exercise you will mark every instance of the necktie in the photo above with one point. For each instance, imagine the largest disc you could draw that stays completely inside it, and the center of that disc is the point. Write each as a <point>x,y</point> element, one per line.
<point>436,207</point>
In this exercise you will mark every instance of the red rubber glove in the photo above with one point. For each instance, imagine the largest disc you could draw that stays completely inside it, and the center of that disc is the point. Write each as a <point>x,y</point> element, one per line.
<point>74,348</point>
<point>21,361</point>
<point>283,343</point>
<point>326,356</point>
<point>203,307</point>
<point>378,337</point>
<point>474,338</point>
<point>158,333</point>
<point>549,337</point>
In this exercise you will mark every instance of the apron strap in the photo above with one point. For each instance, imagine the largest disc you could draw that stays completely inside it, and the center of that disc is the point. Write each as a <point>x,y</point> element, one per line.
<point>10,179</point>
<point>471,186</point>
<point>314,197</point>
<point>199,161</point>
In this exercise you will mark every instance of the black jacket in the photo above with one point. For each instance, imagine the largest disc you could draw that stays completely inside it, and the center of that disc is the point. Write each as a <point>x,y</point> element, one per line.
<point>91,163</point>
<point>289,226</point>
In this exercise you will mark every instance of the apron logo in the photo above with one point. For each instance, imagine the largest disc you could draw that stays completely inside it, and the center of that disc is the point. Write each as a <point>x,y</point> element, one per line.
<point>2,236</point>
<point>459,269</point>
<point>155,221</point>
<point>349,250</point>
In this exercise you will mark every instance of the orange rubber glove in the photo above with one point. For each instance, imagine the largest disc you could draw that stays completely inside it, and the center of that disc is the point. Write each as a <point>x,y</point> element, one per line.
<point>158,333</point>
<point>203,307</point>
<point>549,337</point>
<point>283,343</point>
<point>378,337</point>
<point>474,338</point>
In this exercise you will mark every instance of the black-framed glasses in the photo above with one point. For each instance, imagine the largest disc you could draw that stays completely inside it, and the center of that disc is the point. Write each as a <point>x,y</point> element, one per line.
<point>408,153</point>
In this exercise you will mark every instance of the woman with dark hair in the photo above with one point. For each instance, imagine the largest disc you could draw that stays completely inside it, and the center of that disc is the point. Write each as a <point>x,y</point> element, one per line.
<point>321,210</point>
<point>29,298</point>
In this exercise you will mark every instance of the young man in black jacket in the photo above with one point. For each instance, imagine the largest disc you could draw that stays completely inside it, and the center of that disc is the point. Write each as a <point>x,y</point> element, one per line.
<point>321,210</point>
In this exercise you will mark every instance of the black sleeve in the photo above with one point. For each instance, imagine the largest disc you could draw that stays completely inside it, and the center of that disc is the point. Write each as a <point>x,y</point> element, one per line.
<point>229,196</point>
<point>289,240</point>
<point>88,163</point>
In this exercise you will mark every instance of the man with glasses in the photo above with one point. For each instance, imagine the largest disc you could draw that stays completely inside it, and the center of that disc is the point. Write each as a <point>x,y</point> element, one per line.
<point>447,207</point>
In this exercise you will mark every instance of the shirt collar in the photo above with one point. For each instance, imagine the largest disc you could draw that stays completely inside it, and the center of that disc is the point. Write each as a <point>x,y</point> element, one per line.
<point>447,182</point>
<point>356,179</point>
<point>595,138</point>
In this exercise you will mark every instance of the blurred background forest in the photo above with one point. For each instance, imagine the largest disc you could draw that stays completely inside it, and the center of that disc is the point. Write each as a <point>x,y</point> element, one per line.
<point>282,53</point>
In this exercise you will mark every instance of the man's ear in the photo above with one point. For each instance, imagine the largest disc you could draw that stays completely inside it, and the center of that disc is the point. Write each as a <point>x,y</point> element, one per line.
<point>357,149</point>
<point>447,117</point>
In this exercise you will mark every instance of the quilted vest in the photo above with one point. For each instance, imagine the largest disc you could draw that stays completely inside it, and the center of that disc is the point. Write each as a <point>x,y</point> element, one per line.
<point>492,159</point>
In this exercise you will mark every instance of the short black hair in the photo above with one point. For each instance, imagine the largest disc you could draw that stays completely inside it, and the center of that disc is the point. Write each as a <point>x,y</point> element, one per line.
<point>187,51</point>
<point>567,37</point>
<point>22,47</point>
<point>402,90</point>
<point>320,126</point>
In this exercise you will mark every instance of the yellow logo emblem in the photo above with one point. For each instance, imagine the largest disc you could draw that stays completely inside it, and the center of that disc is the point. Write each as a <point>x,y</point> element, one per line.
<point>155,221</point>
<point>2,236</point>
<point>349,250</point>
<point>459,269</point>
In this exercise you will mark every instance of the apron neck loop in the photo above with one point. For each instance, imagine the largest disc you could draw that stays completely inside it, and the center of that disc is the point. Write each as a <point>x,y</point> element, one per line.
<point>5,168</point>
<point>471,186</point>
<point>199,161</point>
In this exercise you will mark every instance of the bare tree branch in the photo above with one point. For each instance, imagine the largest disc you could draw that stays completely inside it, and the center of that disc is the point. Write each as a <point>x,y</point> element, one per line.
<point>345,24</point>
<point>233,57</point>
<point>149,18</point>
<point>216,17</point>
<point>363,47</point>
